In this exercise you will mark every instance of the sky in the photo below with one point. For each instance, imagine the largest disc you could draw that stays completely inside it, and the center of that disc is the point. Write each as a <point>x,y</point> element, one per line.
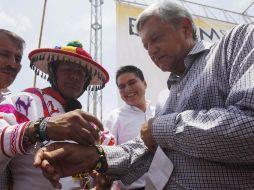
<point>65,21</point>
<point>68,20</point>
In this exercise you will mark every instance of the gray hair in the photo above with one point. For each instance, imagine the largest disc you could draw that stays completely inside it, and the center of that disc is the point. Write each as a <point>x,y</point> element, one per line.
<point>168,11</point>
<point>17,40</point>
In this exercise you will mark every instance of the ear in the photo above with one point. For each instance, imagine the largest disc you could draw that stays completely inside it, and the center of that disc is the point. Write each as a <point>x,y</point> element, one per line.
<point>186,26</point>
<point>145,83</point>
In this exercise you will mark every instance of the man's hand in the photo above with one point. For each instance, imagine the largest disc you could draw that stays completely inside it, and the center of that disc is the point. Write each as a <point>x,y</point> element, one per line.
<point>65,159</point>
<point>147,137</point>
<point>75,125</point>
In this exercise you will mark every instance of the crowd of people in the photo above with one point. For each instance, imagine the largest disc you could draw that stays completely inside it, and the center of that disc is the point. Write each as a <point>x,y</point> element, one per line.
<point>204,129</point>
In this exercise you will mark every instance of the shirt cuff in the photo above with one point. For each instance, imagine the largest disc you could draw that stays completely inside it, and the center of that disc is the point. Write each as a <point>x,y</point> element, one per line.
<point>163,130</point>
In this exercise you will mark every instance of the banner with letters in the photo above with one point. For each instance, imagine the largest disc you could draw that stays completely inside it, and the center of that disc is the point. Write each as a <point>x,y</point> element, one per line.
<point>130,50</point>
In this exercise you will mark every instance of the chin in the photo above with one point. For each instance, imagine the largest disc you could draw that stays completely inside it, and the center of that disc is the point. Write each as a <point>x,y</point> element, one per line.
<point>7,84</point>
<point>163,69</point>
<point>131,103</point>
<point>70,96</point>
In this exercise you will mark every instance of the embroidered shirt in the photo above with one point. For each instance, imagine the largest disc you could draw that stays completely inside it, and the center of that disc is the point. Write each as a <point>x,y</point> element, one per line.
<point>5,174</point>
<point>15,112</point>
<point>206,127</point>
<point>4,92</point>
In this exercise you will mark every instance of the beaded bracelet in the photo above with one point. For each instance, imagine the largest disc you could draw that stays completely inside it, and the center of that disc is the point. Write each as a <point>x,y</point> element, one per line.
<point>37,128</point>
<point>101,165</point>
<point>40,129</point>
<point>42,133</point>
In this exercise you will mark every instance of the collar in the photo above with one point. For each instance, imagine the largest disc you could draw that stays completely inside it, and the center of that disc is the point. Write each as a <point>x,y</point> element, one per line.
<point>197,49</point>
<point>4,92</point>
<point>200,46</point>
<point>148,104</point>
<point>51,92</point>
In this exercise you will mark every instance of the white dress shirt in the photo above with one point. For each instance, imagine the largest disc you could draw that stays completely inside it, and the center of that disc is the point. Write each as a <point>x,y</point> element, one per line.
<point>125,124</point>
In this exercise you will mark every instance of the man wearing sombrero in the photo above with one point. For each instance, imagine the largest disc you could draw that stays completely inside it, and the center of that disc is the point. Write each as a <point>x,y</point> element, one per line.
<point>35,116</point>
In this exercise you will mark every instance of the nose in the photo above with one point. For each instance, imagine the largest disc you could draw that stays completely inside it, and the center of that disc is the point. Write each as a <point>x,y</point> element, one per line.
<point>152,50</point>
<point>74,76</point>
<point>128,87</point>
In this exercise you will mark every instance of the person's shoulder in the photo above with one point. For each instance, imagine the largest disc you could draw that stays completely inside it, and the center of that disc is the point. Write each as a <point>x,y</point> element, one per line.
<point>34,91</point>
<point>111,117</point>
<point>235,36</point>
<point>244,26</point>
<point>113,112</point>
<point>31,89</point>
<point>17,96</point>
<point>152,108</point>
<point>150,105</point>
<point>18,93</point>
<point>241,30</point>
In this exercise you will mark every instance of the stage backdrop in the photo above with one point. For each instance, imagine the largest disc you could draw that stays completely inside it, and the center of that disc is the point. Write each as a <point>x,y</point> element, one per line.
<point>130,49</point>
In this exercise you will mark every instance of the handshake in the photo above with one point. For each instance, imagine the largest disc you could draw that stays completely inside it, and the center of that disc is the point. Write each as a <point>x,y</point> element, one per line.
<point>61,159</point>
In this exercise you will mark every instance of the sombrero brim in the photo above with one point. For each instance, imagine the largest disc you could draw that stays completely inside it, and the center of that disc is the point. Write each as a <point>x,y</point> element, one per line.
<point>40,58</point>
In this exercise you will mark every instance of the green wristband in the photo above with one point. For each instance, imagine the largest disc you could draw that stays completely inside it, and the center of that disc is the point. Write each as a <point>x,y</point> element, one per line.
<point>101,165</point>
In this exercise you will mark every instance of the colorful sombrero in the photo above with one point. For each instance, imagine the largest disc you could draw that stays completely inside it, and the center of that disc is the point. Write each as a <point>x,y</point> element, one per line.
<point>40,58</point>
